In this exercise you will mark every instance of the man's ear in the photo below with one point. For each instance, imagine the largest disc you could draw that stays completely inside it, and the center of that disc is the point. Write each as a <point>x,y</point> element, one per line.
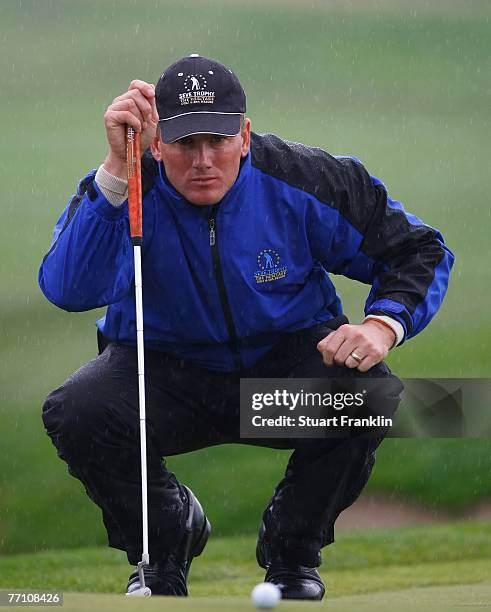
<point>246,137</point>
<point>155,148</point>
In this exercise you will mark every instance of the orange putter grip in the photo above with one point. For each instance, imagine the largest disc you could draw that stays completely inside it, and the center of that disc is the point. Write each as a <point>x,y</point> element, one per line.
<point>133,157</point>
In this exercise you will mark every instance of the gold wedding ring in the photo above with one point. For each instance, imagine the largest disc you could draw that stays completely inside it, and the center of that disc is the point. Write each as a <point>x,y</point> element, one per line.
<point>356,357</point>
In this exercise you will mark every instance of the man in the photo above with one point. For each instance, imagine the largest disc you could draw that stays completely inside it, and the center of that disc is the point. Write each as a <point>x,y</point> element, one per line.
<point>240,233</point>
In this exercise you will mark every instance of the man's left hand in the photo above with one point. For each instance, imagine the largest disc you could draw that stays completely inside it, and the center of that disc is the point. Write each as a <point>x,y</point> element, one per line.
<point>357,346</point>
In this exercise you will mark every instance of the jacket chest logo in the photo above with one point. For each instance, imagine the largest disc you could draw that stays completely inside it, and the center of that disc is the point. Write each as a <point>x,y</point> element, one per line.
<point>269,267</point>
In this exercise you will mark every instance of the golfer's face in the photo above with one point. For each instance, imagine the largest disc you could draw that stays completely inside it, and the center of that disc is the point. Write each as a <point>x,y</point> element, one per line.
<point>203,167</point>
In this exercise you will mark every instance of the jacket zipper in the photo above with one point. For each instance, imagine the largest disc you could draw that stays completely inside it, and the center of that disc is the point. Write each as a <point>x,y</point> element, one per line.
<point>217,269</point>
<point>212,231</point>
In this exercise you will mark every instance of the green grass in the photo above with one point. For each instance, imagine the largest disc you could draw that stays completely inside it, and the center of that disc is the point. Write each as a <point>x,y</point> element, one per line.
<point>436,599</point>
<point>42,507</point>
<point>406,90</point>
<point>359,562</point>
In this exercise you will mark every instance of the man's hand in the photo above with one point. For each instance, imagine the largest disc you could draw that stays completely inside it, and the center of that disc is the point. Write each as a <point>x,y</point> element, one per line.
<point>369,342</point>
<point>136,107</point>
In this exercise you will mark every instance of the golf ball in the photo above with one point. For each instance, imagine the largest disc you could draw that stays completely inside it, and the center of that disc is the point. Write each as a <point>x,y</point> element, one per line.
<point>265,595</point>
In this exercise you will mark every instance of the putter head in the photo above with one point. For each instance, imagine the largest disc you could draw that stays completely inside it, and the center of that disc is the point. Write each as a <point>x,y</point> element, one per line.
<point>142,592</point>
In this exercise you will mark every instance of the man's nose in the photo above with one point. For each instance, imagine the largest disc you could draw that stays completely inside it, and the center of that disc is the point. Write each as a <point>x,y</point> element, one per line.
<point>202,156</point>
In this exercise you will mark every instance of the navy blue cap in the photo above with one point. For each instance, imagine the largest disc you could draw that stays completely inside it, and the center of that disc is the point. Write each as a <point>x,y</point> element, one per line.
<point>198,95</point>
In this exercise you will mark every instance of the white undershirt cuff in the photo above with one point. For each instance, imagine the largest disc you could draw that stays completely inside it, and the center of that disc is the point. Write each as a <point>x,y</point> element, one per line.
<point>114,189</point>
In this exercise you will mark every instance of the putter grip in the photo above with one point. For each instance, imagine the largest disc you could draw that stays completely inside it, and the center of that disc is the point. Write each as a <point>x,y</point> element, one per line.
<point>133,157</point>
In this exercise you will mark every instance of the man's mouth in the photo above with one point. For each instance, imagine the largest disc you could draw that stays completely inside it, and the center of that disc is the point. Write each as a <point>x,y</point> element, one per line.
<point>204,180</point>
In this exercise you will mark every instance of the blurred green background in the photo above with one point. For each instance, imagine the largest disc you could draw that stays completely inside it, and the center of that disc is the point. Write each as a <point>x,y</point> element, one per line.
<point>406,89</point>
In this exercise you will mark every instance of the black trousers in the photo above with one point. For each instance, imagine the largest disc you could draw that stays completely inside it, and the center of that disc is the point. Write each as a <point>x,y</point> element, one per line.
<point>93,421</point>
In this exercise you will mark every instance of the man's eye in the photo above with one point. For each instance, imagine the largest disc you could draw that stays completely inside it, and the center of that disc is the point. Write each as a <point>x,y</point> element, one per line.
<point>184,141</point>
<point>217,138</point>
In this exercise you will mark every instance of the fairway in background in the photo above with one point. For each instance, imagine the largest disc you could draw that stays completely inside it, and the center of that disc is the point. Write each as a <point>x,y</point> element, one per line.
<point>406,90</point>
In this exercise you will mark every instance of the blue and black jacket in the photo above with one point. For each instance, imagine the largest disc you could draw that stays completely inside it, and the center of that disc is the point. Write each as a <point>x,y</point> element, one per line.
<point>222,283</point>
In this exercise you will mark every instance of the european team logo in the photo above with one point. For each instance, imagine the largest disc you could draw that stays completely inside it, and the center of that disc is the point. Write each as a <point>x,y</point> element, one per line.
<point>196,89</point>
<point>270,268</point>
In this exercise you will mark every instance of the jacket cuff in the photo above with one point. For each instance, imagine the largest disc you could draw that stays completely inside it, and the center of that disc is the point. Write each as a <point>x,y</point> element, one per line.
<point>396,327</point>
<point>100,204</point>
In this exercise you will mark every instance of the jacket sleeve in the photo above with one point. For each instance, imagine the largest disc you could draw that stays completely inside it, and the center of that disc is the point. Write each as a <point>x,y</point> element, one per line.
<point>369,237</point>
<point>90,262</point>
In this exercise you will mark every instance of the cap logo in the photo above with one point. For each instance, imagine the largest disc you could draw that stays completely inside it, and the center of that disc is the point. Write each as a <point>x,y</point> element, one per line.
<point>195,91</point>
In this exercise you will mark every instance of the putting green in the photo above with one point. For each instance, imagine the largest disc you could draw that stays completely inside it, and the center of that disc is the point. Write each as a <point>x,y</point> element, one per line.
<point>428,598</point>
<point>362,565</point>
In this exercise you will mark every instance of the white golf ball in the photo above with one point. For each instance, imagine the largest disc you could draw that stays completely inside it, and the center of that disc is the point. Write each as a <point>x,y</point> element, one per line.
<point>265,595</point>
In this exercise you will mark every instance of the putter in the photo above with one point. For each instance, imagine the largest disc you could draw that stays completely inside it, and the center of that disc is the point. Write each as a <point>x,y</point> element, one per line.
<point>133,156</point>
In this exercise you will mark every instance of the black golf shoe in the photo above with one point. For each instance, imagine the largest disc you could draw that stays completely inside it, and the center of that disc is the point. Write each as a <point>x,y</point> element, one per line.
<point>169,577</point>
<point>294,581</point>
